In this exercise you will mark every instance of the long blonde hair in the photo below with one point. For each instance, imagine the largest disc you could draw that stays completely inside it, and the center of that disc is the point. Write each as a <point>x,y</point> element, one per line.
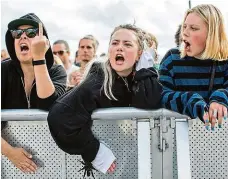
<point>217,42</point>
<point>105,63</point>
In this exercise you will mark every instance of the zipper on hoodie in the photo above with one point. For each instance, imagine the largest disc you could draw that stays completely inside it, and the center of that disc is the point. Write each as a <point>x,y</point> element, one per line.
<point>126,83</point>
<point>27,97</point>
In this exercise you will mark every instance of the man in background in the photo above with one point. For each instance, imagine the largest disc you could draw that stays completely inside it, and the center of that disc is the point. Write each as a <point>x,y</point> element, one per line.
<point>87,49</point>
<point>62,50</point>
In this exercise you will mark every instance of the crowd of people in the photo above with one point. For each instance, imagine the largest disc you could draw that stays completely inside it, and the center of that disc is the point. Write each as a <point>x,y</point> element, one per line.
<point>191,79</point>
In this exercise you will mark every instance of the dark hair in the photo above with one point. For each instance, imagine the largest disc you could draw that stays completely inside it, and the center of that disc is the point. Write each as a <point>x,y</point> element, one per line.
<point>62,42</point>
<point>103,55</point>
<point>178,36</point>
<point>76,54</point>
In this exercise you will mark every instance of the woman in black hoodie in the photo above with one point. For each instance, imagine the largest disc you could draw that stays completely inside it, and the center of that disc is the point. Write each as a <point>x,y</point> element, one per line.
<point>107,83</point>
<point>29,79</point>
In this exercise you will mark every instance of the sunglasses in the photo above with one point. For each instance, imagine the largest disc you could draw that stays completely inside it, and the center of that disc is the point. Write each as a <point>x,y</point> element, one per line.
<point>61,52</point>
<point>30,33</point>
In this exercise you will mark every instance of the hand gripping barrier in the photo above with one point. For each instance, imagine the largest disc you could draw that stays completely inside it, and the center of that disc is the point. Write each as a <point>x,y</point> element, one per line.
<point>158,144</point>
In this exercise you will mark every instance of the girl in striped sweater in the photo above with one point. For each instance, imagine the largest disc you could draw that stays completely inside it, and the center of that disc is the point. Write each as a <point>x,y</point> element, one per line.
<point>195,78</point>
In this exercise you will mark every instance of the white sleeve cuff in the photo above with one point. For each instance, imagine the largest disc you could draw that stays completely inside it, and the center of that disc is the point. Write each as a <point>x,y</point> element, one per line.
<point>103,159</point>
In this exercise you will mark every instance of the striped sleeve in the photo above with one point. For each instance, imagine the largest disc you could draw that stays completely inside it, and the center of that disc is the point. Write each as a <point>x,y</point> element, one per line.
<point>221,95</point>
<point>188,103</point>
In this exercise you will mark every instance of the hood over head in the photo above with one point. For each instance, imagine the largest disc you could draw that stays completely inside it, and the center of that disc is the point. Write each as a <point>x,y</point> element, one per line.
<point>28,19</point>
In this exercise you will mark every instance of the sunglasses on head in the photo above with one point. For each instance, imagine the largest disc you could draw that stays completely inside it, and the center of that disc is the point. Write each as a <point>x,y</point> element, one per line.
<point>61,52</point>
<point>30,33</point>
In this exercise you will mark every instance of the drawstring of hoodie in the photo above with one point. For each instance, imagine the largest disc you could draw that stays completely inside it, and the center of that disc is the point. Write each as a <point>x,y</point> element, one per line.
<point>88,169</point>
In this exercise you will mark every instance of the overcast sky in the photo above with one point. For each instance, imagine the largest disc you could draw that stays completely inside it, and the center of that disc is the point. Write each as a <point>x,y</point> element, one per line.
<point>72,19</point>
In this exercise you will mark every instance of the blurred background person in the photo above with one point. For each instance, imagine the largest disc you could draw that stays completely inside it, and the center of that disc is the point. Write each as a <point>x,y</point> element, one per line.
<point>87,49</point>
<point>62,50</point>
<point>57,60</point>
<point>149,57</point>
<point>76,60</point>
<point>178,38</point>
<point>4,55</point>
<point>103,55</point>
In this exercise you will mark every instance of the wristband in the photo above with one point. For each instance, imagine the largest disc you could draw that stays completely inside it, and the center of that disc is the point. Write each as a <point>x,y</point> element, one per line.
<point>38,62</point>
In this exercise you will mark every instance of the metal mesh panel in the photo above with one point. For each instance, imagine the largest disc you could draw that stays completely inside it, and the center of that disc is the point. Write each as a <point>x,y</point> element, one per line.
<point>121,136</point>
<point>175,171</point>
<point>208,150</point>
<point>35,138</point>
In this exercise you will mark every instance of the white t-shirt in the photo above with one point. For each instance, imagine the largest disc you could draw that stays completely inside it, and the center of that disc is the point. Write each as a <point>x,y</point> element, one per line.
<point>146,60</point>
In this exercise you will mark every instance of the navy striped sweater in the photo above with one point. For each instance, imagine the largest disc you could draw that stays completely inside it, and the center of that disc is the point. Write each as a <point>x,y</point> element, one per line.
<point>186,83</point>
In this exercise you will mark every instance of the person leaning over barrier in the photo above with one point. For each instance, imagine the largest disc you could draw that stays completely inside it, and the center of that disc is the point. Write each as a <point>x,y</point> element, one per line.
<point>112,82</point>
<point>195,79</point>
<point>29,80</point>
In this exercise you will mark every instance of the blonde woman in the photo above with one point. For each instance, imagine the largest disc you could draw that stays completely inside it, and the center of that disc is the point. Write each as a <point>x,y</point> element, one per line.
<point>195,79</point>
<point>109,83</point>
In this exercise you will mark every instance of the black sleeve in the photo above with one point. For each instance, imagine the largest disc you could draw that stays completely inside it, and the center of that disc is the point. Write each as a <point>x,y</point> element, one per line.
<point>70,121</point>
<point>59,77</point>
<point>4,79</point>
<point>147,92</point>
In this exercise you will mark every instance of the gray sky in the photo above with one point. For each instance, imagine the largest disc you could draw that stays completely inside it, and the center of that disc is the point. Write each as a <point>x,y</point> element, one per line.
<point>72,19</point>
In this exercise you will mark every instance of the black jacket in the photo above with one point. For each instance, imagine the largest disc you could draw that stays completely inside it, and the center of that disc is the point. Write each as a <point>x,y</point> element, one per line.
<point>13,95</point>
<point>69,118</point>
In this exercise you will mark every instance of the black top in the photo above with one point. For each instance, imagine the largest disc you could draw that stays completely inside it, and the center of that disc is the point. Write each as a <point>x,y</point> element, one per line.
<point>69,118</point>
<point>13,94</point>
<point>12,80</point>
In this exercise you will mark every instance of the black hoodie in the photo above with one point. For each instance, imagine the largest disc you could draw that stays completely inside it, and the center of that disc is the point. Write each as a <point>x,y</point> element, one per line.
<point>13,95</point>
<point>69,118</point>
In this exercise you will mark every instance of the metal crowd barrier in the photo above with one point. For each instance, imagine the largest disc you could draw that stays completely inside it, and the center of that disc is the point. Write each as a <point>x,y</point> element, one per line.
<point>157,144</point>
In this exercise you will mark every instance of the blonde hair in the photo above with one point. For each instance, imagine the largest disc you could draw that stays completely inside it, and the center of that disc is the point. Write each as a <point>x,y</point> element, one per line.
<point>217,42</point>
<point>151,39</point>
<point>105,63</point>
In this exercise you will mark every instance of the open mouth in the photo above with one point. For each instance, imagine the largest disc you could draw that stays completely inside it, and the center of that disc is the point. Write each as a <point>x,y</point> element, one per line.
<point>24,47</point>
<point>186,45</point>
<point>119,59</point>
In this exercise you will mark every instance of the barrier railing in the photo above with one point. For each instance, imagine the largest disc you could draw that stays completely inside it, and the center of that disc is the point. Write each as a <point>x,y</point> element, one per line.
<point>157,144</point>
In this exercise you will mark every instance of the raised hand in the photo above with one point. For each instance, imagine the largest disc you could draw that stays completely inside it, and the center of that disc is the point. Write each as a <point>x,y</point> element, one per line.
<point>76,78</point>
<point>39,45</point>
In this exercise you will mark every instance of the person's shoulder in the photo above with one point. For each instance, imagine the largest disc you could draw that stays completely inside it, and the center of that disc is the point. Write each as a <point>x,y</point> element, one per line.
<point>95,77</point>
<point>174,51</point>
<point>96,66</point>
<point>7,66</point>
<point>57,67</point>
<point>96,70</point>
<point>172,54</point>
<point>145,73</point>
<point>6,62</point>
